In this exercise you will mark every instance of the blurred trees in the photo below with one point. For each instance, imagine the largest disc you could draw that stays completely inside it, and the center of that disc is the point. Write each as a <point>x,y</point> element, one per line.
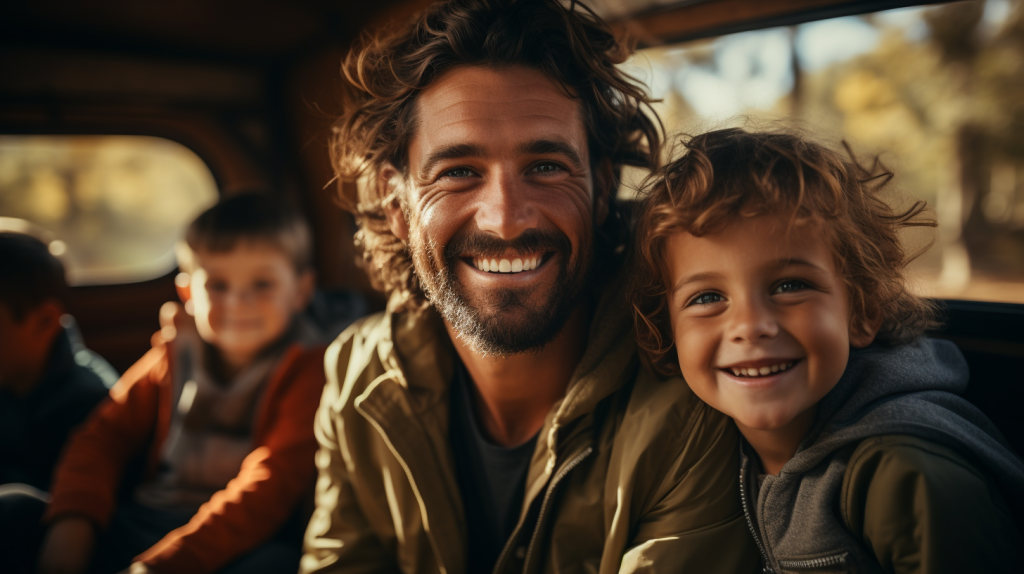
<point>938,91</point>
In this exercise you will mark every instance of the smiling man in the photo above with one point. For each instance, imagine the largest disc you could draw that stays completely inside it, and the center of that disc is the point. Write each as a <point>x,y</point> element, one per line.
<point>496,418</point>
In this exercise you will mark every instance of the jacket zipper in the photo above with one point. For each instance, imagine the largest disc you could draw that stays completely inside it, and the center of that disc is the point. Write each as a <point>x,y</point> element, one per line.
<point>547,496</point>
<point>767,569</point>
<point>519,526</point>
<point>812,563</point>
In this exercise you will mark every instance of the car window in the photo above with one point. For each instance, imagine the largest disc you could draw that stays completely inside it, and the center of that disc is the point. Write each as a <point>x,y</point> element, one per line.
<point>111,207</point>
<point>934,90</point>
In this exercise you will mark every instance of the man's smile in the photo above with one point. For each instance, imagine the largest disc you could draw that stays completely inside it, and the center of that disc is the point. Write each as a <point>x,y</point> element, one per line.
<point>509,263</point>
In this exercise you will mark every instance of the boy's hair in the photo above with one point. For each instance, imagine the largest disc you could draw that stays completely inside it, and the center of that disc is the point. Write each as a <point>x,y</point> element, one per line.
<point>29,274</point>
<point>732,173</point>
<point>250,216</point>
<point>386,73</point>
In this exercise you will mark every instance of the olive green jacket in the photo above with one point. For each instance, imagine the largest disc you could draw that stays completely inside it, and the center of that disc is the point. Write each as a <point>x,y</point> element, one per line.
<point>898,474</point>
<point>630,474</point>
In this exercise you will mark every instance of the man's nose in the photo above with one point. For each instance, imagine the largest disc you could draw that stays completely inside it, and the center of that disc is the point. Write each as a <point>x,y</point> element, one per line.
<point>751,319</point>
<point>504,208</point>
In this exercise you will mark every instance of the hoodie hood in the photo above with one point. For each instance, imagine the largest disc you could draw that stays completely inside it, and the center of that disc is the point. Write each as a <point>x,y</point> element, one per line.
<point>910,390</point>
<point>861,404</point>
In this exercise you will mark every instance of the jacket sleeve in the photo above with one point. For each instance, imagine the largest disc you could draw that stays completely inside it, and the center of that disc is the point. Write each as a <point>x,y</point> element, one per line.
<point>85,481</point>
<point>267,489</point>
<point>923,508</point>
<point>339,538</point>
<point>695,522</point>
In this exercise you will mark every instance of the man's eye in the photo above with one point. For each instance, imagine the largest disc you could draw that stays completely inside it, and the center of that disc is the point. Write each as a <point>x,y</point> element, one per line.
<point>790,285</point>
<point>458,172</point>
<point>546,168</point>
<point>705,299</point>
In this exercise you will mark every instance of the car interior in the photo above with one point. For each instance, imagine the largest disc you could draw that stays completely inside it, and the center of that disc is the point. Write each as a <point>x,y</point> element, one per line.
<point>184,102</point>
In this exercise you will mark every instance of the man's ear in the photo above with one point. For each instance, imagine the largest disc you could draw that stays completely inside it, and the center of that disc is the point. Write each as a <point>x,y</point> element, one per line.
<point>391,185</point>
<point>864,331</point>
<point>604,187</point>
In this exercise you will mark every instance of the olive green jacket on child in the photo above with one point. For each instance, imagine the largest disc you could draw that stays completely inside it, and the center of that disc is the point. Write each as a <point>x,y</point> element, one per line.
<point>898,474</point>
<point>630,473</point>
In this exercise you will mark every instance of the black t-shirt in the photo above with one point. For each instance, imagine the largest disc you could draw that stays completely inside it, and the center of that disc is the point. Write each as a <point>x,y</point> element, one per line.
<point>492,478</point>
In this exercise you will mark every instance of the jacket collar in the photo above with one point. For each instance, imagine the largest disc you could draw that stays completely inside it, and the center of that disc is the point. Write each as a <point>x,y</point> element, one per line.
<point>408,404</point>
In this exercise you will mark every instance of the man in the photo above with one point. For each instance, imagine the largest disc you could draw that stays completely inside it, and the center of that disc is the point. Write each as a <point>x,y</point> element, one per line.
<point>496,418</point>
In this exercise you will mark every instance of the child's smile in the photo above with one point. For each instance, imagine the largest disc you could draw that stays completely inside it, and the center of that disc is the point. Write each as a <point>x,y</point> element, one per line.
<point>761,319</point>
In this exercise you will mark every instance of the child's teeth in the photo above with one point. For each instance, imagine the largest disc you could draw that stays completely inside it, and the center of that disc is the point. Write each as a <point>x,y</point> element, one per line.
<point>765,371</point>
<point>775,368</point>
<point>736,372</point>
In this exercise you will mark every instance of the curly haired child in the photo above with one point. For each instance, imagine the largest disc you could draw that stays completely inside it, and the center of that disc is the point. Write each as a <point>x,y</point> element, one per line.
<point>770,275</point>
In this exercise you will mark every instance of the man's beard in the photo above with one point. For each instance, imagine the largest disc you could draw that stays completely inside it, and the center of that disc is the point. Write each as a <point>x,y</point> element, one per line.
<point>511,323</point>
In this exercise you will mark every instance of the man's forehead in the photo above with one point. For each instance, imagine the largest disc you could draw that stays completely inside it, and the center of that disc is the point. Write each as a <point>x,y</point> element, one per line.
<point>483,106</point>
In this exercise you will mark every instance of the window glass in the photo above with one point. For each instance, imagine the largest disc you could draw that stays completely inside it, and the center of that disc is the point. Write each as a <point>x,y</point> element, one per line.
<point>936,91</point>
<point>111,206</point>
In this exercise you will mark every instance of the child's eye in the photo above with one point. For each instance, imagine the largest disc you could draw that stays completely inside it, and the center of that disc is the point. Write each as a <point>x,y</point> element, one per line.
<point>790,285</point>
<point>705,299</point>
<point>217,286</point>
<point>263,285</point>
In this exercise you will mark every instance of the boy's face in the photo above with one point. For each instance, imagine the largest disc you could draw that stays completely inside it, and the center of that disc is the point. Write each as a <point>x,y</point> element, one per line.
<point>244,299</point>
<point>761,319</point>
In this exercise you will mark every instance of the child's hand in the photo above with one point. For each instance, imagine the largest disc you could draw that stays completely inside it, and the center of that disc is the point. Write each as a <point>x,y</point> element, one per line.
<point>67,547</point>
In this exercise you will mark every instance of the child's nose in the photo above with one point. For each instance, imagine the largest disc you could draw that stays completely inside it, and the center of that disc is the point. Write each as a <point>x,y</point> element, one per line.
<point>752,319</point>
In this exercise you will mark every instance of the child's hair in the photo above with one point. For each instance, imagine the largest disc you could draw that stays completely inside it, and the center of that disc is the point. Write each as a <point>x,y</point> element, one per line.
<point>29,274</point>
<point>251,216</point>
<point>732,173</point>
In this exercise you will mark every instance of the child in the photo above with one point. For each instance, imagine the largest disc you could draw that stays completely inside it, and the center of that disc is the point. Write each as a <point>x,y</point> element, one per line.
<point>45,390</point>
<point>774,270</point>
<point>219,415</point>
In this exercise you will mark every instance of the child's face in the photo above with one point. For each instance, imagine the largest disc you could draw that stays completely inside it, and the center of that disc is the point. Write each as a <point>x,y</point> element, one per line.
<point>761,319</point>
<point>244,299</point>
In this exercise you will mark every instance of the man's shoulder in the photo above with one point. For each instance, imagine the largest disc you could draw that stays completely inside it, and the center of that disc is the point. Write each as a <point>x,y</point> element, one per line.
<point>357,342</point>
<point>353,360</point>
<point>664,419</point>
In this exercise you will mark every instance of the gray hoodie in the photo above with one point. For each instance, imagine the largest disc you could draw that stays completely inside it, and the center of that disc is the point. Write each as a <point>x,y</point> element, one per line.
<point>910,390</point>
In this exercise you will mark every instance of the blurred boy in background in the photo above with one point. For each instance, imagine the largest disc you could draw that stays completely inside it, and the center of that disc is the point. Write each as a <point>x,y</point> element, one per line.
<point>219,413</point>
<point>44,393</point>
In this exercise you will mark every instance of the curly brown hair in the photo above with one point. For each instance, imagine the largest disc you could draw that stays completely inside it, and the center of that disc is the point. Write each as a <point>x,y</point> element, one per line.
<point>728,174</point>
<point>385,74</point>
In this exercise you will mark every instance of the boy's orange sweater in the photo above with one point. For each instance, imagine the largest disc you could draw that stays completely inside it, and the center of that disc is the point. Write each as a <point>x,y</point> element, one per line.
<point>274,477</point>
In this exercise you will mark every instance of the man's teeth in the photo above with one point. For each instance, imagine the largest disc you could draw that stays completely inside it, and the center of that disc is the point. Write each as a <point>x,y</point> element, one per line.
<point>507,266</point>
<point>761,371</point>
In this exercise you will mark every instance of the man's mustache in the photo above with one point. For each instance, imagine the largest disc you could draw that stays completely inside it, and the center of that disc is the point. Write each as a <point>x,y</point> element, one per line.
<point>483,244</point>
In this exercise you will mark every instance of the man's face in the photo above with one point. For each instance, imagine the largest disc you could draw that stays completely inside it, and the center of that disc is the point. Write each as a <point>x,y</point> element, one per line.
<point>499,205</point>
